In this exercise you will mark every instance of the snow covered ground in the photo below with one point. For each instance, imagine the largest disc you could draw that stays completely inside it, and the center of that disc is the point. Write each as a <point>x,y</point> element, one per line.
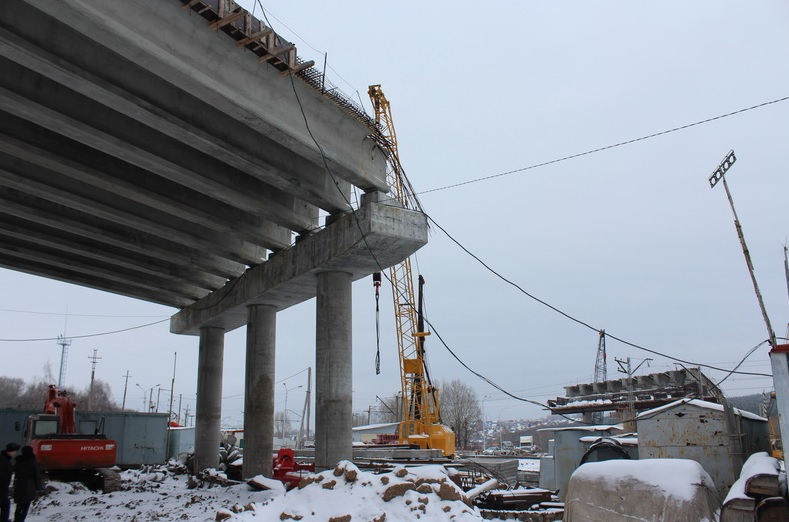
<point>340,495</point>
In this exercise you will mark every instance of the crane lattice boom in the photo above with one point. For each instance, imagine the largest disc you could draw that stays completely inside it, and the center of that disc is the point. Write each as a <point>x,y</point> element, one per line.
<point>421,410</point>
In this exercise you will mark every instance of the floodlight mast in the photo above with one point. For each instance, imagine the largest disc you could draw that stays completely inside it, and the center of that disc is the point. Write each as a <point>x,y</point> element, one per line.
<point>719,175</point>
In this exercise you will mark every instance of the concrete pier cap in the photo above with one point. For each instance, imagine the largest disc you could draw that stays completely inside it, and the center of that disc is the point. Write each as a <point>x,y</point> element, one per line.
<point>373,238</point>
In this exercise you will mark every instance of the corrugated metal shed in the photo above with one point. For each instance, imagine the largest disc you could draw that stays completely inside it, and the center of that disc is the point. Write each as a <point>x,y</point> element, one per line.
<point>558,466</point>
<point>181,441</point>
<point>141,437</point>
<point>694,429</point>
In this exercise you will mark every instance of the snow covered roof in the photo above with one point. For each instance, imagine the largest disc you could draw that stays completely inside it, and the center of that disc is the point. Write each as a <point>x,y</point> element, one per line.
<point>700,404</point>
<point>586,428</point>
<point>627,439</point>
<point>371,427</point>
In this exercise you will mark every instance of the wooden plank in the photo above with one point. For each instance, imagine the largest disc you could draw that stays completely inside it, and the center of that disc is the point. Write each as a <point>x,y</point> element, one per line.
<point>273,53</point>
<point>227,20</point>
<point>297,68</point>
<point>738,510</point>
<point>763,485</point>
<point>772,509</point>
<point>254,37</point>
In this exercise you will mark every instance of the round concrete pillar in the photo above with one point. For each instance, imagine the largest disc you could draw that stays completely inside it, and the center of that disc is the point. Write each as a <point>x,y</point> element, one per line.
<point>333,371</point>
<point>208,412</point>
<point>259,391</point>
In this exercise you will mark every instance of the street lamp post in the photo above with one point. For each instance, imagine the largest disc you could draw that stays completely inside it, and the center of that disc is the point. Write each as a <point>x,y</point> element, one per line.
<point>484,435</point>
<point>144,395</point>
<point>150,398</point>
<point>285,413</point>
<point>149,395</point>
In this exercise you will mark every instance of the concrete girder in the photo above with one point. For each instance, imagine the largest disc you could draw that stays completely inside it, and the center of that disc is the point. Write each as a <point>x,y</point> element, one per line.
<point>134,132</point>
<point>373,238</point>
<point>11,226</point>
<point>240,149</point>
<point>40,254</point>
<point>182,52</point>
<point>196,177</point>
<point>136,185</point>
<point>232,249</point>
<point>90,281</point>
<point>52,216</point>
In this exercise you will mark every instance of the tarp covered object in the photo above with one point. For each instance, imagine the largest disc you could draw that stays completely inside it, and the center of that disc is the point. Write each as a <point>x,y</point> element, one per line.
<point>651,490</point>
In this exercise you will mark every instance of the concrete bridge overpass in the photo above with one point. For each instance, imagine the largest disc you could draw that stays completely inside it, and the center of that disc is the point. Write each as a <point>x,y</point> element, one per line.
<point>179,151</point>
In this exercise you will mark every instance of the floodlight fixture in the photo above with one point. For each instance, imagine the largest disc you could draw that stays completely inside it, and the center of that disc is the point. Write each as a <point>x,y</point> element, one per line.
<point>725,165</point>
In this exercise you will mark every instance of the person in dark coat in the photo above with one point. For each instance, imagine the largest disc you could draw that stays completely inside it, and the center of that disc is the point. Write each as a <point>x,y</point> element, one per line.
<point>27,483</point>
<point>6,470</point>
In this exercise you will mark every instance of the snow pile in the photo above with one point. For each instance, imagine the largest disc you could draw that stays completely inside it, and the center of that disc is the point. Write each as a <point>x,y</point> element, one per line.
<point>343,494</point>
<point>347,493</point>
<point>145,496</point>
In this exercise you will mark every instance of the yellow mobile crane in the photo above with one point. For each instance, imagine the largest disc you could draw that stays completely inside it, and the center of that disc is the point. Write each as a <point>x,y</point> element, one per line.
<point>421,412</point>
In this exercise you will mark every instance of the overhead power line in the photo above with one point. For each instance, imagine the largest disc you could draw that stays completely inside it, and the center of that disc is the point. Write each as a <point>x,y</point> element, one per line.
<point>84,336</point>
<point>67,314</point>
<point>607,147</point>
<point>579,321</point>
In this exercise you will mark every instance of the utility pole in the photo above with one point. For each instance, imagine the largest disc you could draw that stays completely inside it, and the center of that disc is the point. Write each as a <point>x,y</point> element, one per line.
<point>94,358</point>
<point>786,271</point>
<point>172,387</point>
<point>64,344</point>
<point>125,386</point>
<point>600,372</point>
<point>630,423</point>
<point>305,412</point>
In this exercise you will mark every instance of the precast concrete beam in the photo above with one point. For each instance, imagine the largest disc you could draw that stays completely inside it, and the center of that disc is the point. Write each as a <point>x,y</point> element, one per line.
<point>373,238</point>
<point>179,48</point>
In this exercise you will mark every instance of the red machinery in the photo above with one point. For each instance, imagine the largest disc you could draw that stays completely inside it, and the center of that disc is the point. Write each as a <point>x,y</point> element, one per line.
<point>288,471</point>
<point>57,444</point>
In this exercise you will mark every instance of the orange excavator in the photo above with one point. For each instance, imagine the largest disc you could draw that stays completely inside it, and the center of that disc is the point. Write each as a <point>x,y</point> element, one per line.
<point>60,448</point>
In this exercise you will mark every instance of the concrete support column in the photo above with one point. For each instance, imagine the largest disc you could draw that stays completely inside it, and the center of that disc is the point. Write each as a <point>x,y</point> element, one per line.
<point>333,371</point>
<point>259,391</point>
<point>208,412</point>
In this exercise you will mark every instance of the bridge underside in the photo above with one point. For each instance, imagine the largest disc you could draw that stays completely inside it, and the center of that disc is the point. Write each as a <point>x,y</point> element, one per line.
<point>144,153</point>
<point>177,151</point>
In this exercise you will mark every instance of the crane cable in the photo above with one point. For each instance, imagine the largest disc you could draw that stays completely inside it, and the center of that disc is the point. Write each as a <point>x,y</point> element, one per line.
<point>377,284</point>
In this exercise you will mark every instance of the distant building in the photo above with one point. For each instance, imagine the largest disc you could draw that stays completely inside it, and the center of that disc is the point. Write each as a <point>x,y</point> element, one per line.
<point>370,433</point>
<point>643,392</point>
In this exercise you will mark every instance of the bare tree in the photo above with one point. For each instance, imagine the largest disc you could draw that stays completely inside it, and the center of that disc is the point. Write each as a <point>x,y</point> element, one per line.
<point>102,397</point>
<point>16,393</point>
<point>390,409</point>
<point>282,423</point>
<point>460,410</point>
<point>10,390</point>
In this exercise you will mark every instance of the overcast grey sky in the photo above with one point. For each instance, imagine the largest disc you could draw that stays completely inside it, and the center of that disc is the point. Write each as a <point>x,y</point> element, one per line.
<point>630,239</point>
